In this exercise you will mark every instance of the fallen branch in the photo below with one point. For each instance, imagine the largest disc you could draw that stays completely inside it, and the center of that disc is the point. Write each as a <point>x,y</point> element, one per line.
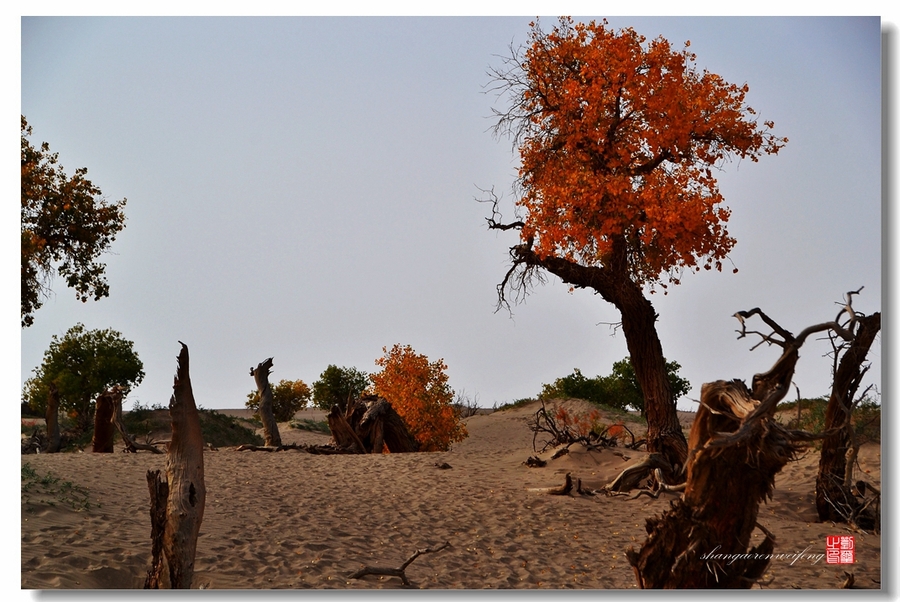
<point>399,571</point>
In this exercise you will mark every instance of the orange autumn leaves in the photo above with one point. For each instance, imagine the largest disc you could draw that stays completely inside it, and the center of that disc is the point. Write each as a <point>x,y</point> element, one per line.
<point>618,139</point>
<point>418,391</point>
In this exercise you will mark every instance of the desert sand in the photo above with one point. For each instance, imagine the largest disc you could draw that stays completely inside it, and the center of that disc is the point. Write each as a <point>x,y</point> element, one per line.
<point>296,520</point>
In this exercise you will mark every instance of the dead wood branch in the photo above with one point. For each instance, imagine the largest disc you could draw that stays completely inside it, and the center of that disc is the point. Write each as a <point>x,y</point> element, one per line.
<point>399,571</point>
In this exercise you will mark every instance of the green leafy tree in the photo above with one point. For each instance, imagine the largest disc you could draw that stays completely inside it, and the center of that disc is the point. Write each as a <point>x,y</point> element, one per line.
<point>66,226</point>
<point>620,389</point>
<point>336,385</point>
<point>288,398</point>
<point>82,364</point>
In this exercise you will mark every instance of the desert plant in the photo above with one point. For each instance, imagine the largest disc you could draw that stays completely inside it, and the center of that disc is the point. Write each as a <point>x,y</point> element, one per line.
<point>338,385</point>
<point>418,391</point>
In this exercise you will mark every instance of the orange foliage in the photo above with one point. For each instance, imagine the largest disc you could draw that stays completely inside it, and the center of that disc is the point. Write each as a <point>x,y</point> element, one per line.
<point>580,423</point>
<point>618,138</point>
<point>418,391</point>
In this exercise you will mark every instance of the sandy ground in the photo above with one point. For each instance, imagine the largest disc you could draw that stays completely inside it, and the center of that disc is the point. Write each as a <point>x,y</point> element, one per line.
<point>296,520</point>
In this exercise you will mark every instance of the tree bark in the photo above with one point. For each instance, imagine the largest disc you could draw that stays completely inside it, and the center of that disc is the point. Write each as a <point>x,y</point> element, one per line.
<point>613,283</point>
<point>736,449</point>
<point>52,420</point>
<point>261,375</point>
<point>834,500</point>
<point>186,496</point>
<point>103,427</point>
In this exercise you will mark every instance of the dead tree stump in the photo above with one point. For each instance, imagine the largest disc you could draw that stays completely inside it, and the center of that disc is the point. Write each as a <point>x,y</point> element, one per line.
<point>261,375</point>
<point>182,493</point>
<point>834,499</point>
<point>736,449</point>
<point>52,420</point>
<point>104,430</point>
<point>369,425</point>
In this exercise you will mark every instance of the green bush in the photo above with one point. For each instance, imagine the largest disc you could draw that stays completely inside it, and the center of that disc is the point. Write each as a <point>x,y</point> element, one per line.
<point>337,385</point>
<point>288,398</point>
<point>620,390</point>
<point>221,430</point>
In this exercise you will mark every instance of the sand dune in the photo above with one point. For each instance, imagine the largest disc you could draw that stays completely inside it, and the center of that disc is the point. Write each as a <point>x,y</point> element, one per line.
<point>296,520</point>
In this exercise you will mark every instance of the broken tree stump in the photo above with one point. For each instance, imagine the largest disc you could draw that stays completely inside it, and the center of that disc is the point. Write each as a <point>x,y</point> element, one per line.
<point>260,374</point>
<point>102,441</point>
<point>736,447</point>
<point>52,420</point>
<point>399,571</point>
<point>183,488</point>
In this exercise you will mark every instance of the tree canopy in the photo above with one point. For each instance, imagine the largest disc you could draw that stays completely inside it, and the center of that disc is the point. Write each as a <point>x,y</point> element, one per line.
<point>81,365</point>
<point>336,385</point>
<point>66,226</point>
<point>288,398</point>
<point>618,140</point>
<point>418,390</point>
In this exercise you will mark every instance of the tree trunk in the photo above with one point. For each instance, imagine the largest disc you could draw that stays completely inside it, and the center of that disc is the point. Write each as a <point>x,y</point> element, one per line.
<point>103,427</point>
<point>702,541</point>
<point>613,283</point>
<point>834,500</point>
<point>664,432</point>
<point>52,419</point>
<point>186,496</point>
<point>261,375</point>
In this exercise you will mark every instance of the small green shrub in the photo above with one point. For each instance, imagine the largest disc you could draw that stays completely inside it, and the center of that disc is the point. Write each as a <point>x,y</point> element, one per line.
<point>221,430</point>
<point>49,490</point>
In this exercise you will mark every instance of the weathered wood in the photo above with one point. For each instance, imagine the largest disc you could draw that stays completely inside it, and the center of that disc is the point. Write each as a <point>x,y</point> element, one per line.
<point>834,500</point>
<point>261,375</point>
<point>131,445</point>
<point>159,497</point>
<point>186,498</point>
<point>343,434</point>
<point>52,420</point>
<point>632,475</point>
<point>381,426</point>
<point>102,441</point>
<point>736,449</point>
<point>399,571</point>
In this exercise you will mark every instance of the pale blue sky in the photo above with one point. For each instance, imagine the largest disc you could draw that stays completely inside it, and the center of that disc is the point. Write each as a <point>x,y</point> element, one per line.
<point>304,188</point>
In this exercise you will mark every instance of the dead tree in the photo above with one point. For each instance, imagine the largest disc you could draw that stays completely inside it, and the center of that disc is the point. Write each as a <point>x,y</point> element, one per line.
<point>182,493</point>
<point>104,430</point>
<point>261,375</point>
<point>368,425</point>
<point>52,420</point>
<point>834,497</point>
<point>736,449</point>
<point>131,445</point>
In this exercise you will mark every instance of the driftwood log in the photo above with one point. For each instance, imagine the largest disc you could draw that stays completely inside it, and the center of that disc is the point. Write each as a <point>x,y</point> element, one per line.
<point>182,492</point>
<point>102,442</point>
<point>736,449</point>
<point>266,413</point>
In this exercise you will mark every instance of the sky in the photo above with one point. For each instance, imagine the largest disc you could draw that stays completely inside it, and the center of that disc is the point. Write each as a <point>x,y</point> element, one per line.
<point>306,189</point>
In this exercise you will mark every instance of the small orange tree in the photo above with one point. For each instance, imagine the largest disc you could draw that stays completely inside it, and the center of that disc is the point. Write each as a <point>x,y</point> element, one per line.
<point>418,391</point>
